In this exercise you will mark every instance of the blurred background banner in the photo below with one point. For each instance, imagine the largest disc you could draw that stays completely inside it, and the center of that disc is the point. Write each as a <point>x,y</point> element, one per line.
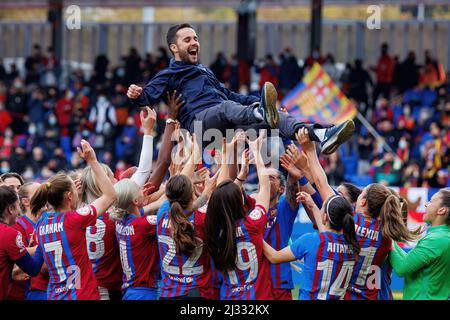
<point>318,99</point>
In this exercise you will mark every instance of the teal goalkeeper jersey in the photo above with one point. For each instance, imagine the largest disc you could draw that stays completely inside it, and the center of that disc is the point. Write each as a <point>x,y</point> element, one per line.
<point>426,268</point>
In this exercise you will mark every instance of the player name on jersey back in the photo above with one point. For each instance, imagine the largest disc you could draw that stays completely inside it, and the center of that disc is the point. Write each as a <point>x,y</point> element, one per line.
<point>367,233</point>
<point>51,228</point>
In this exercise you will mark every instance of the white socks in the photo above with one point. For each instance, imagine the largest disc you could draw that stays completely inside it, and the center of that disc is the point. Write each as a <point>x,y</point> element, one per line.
<point>320,133</point>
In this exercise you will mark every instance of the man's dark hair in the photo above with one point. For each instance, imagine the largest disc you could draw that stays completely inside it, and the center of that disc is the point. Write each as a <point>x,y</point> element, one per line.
<point>172,33</point>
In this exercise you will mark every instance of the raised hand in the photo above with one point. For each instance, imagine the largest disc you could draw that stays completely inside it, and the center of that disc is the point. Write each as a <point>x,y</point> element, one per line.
<point>288,164</point>
<point>86,152</point>
<point>300,159</point>
<point>174,104</point>
<point>134,91</point>
<point>306,200</point>
<point>148,189</point>
<point>304,140</point>
<point>210,182</point>
<point>128,173</point>
<point>245,161</point>
<point>200,175</point>
<point>148,119</point>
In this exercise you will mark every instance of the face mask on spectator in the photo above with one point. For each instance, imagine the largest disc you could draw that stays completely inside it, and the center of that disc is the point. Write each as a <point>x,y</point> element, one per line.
<point>52,121</point>
<point>121,72</point>
<point>32,130</point>
<point>402,144</point>
<point>85,133</point>
<point>4,169</point>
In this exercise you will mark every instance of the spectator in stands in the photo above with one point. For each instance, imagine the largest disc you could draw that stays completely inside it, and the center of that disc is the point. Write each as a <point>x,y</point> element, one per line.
<point>411,176</point>
<point>33,66</point>
<point>268,71</point>
<point>387,170</point>
<point>409,73</point>
<point>329,66</point>
<point>384,72</point>
<point>162,60</point>
<point>290,71</point>
<point>219,66</point>
<point>36,112</point>
<point>132,67</point>
<point>51,69</point>
<point>16,105</point>
<point>311,59</point>
<point>334,169</point>
<point>63,111</point>
<point>358,80</point>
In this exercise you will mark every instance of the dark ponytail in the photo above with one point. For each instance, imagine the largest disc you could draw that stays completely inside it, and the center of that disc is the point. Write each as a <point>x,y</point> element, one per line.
<point>182,230</point>
<point>225,208</point>
<point>348,228</point>
<point>340,213</point>
<point>179,191</point>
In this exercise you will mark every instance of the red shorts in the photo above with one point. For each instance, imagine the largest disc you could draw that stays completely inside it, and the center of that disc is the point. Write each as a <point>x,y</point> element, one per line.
<point>281,294</point>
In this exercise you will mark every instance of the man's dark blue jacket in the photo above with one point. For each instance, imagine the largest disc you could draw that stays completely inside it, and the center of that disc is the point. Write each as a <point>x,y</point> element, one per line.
<point>198,86</point>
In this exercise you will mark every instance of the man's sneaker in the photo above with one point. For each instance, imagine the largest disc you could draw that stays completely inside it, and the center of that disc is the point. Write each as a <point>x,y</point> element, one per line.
<point>267,107</point>
<point>336,135</point>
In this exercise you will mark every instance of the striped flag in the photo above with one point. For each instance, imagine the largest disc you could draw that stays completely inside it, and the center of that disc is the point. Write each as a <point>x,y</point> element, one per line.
<point>318,99</point>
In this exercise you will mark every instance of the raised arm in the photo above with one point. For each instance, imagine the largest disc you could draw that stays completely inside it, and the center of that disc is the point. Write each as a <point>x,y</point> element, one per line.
<point>194,158</point>
<point>263,196</point>
<point>210,185</point>
<point>317,172</point>
<point>311,209</point>
<point>148,118</point>
<point>274,256</point>
<point>243,172</point>
<point>151,93</point>
<point>108,194</point>
<point>294,175</point>
<point>164,156</point>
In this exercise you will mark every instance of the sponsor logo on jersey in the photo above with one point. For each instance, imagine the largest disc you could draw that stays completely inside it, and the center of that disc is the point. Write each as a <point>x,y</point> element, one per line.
<point>19,242</point>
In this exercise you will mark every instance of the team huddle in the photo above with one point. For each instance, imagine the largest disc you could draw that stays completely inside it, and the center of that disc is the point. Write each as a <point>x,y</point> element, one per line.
<point>84,235</point>
<point>186,229</point>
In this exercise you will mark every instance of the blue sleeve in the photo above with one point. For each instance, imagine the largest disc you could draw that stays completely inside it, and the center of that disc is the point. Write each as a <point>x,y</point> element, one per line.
<point>239,98</point>
<point>317,199</point>
<point>287,213</point>
<point>163,208</point>
<point>302,245</point>
<point>31,265</point>
<point>153,91</point>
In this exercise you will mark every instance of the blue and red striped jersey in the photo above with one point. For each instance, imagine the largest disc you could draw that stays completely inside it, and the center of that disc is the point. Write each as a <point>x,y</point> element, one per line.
<point>28,229</point>
<point>183,274</point>
<point>138,251</point>
<point>278,231</point>
<point>251,279</point>
<point>328,265</point>
<point>365,283</point>
<point>62,239</point>
<point>103,250</point>
<point>385,292</point>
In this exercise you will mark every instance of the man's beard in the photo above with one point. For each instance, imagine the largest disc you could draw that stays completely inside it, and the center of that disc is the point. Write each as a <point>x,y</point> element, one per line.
<point>184,56</point>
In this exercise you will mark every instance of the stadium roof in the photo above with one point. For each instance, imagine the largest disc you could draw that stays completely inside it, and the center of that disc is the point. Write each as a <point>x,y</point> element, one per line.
<point>204,3</point>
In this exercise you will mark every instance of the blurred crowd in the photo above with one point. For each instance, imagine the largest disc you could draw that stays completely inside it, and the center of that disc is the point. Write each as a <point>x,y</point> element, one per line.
<point>408,103</point>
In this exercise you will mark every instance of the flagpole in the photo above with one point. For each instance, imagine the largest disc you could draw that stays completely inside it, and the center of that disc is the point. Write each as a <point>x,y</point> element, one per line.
<point>377,136</point>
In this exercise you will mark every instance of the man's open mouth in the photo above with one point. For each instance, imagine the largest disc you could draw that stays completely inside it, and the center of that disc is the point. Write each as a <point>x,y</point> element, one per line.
<point>193,52</point>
